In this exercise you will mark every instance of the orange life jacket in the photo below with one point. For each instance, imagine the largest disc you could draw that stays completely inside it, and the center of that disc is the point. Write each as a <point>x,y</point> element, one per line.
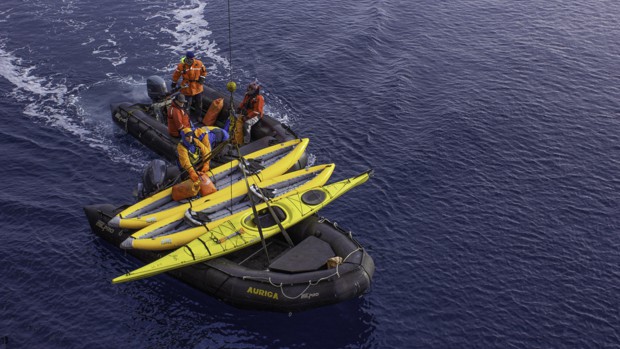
<point>252,106</point>
<point>177,120</point>
<point>188,160</point>
<point>190,85</point>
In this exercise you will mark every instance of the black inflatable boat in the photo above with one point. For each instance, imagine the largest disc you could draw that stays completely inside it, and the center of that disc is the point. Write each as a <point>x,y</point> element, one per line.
<point>145,122</point>
<point>283,279</point>
<point>326,265</point>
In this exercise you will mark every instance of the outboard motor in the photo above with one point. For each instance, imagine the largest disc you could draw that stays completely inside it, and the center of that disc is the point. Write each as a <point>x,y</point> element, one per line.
<point>156,88</point>
<point>158,92</point>
<point>157,176</point>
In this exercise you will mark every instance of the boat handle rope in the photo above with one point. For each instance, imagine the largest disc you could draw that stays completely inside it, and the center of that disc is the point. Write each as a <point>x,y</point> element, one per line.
<point>103,214</point>
<point>348,233</point>
<point>130,113</point>
<point>310,283</point>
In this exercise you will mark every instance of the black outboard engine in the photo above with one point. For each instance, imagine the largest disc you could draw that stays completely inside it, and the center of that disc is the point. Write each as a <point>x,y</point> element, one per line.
<point>158,92</point>
<point>156,88</point>
<point>157,176</point>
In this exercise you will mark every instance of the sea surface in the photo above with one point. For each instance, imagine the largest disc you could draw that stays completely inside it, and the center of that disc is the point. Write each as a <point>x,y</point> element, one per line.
<point>493,128</point>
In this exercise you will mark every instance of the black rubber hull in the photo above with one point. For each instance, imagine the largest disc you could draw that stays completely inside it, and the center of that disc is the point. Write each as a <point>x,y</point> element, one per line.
<point>240,279</point>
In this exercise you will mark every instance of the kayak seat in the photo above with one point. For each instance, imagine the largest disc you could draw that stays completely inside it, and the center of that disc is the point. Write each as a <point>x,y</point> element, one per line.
<point>266,219</point>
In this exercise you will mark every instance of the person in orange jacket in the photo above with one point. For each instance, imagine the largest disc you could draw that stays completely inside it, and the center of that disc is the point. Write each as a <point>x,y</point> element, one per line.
<point>251,109</point>
<point>192,154</point>
<point>178,119</point>
<point>193,73</point>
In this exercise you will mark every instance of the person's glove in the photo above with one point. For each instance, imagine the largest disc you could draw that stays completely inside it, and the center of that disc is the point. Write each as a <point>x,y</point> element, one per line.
<point>201,80</point>
<point>193,175</point>
<point>205,167</point>
<point>173,85</point>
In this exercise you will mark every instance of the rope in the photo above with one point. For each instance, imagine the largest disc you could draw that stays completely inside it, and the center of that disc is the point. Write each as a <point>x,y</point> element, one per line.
<point>229,44</point>
<point>310,283</point>
<point>231,86</point>
<point>275,217</point>
<point>231,190</point>
<point>260,229</point>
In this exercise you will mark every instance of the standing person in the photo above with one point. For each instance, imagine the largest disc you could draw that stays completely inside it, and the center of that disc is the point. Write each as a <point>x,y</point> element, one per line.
<point>251,109</point>
<point>193,73</point>
<point>178,119</point>
<point>192,154</point>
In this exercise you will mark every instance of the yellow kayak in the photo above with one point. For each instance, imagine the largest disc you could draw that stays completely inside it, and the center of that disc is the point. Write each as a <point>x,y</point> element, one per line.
<point>268,162</point>
<point>183,227</point>
<point>242,229</point>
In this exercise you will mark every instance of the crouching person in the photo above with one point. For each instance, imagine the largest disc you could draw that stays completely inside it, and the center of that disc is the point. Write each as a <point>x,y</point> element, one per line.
<point>193,158</point>
<point>193,154</point>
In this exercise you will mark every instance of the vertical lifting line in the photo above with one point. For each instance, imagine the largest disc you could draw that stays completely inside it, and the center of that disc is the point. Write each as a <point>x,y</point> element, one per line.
<point>229,45</point>
<point>232,118</point>
<point>258,225</point>
<point>231,86</point>
<point>275,217</point>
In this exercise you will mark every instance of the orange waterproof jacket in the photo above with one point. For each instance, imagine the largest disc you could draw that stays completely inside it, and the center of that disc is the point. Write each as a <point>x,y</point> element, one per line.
<point>190,85</point>
<point>177,120</point>
<point>252,106</point>
<point>190,157</point>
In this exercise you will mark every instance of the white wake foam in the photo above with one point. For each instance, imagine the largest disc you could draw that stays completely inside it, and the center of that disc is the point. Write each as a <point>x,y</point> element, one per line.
<point>48,100</point>
<point>79,109</point>
<point>190,32</point>
<point>109,50</point>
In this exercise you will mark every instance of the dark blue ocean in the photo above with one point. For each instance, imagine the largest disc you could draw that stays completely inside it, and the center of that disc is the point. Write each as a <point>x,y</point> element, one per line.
<point>493,128</point>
